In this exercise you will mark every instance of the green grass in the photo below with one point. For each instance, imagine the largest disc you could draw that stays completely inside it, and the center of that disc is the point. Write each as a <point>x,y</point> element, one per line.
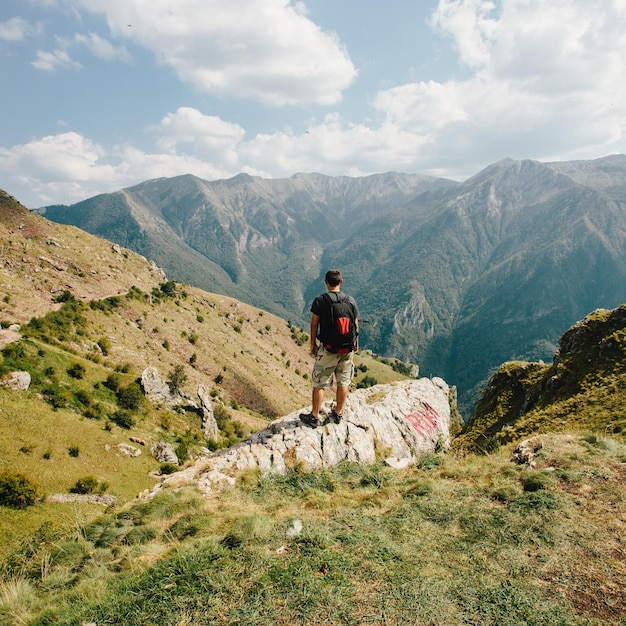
<point>470,540</point>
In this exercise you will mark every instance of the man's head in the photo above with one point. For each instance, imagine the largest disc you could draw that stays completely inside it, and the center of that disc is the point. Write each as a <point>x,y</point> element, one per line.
<point>333,278</point>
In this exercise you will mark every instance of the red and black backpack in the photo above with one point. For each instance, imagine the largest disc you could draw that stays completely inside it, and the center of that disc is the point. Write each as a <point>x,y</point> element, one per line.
<point>339,334</point>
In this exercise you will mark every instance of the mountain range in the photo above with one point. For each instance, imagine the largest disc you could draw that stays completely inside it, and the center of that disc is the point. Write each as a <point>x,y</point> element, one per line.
<point>501,530</point>
<point>457,277</point>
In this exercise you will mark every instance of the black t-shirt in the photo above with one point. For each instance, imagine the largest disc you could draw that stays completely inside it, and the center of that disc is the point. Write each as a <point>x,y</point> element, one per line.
<point>321,308</point>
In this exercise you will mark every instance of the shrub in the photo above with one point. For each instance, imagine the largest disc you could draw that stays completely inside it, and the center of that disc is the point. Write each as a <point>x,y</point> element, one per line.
<point>57,397</point>
<point>14,352</point>
<point>168,468</point>
<point>94,411</point>
<point>73,451</point>
<point>77,371</point>
<point>123,419</point>
<point>130,397</point>
<point>83,397</point>
<point>87,484</point>
<point>113,381</point>
<point>535,481</point>
<point>487,445</point>
<point>169,288</point>
<point>105,345</point>
<point>367,381</point>
<point>17,491</point>
<point>66,296</point>
<point>182,451</point>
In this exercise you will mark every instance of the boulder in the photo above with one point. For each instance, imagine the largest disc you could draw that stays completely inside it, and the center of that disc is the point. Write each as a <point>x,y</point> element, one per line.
<point>128,450</point>
<point>164,453</point>
<point>524,453</point>
<point>155,388</point>
<point>18,381</point>
<point>398,422</point>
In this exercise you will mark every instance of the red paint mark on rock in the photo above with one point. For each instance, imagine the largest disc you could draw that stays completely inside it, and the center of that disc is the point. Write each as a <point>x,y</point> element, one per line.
<point>424,420</point>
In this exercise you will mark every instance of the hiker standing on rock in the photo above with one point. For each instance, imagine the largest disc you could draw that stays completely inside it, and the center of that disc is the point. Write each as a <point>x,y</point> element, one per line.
<point>334,322</point>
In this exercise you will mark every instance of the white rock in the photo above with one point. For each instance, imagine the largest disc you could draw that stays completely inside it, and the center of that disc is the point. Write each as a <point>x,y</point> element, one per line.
<point>402,421</point>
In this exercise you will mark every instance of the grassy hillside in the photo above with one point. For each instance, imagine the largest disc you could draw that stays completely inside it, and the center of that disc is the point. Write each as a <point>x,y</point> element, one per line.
<point>584,387</point>
<point>474,540</point>
<point>40,260</point>
<point>92,317</point>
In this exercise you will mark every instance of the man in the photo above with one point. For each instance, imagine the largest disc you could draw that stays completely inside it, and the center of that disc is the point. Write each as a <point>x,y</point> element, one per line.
<point>334,321</point>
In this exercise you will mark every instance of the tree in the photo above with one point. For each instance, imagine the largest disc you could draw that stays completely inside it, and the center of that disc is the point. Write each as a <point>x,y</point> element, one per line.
<point>177,378</point>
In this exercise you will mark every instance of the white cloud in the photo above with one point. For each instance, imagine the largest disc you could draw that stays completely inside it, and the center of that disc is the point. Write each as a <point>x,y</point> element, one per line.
<point>66,156</point>
<point>261,49</point>
<point>52,61</point>
<point>538,80</point>
<point>102,48</point>
<point>549,81</point>
<point>207,136</point>
<point>469,25</point>
<point>17,29</point>
<point>70,167</point>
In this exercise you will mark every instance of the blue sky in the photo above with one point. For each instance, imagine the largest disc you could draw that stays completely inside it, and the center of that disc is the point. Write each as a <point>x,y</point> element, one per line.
<point>98,95</point>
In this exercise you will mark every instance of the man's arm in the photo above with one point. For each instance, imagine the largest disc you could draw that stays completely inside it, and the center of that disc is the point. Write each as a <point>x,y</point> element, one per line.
<point>315,322</point>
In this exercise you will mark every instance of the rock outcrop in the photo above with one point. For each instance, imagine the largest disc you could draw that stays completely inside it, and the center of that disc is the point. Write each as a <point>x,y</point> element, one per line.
<point>209,423</point>
<point>155,388</point>
<point>18,381</point>
<point>164,453</point>
<point>397,422</point>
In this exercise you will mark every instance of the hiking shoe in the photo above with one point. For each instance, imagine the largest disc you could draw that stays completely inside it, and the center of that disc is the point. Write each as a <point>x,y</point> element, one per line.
<point>334,417</point>
<point>310,420</point>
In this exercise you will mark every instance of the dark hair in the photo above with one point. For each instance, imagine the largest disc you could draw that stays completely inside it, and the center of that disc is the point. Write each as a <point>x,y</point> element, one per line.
<point>333,277</point>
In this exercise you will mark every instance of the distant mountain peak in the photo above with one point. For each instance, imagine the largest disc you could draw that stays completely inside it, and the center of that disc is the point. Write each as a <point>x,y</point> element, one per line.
<point>477,272</point>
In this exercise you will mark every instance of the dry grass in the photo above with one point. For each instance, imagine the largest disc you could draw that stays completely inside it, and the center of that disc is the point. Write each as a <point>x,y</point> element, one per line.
<point>456,541</point>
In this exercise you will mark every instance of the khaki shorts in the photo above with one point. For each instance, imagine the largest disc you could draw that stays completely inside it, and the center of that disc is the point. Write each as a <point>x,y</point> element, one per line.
<point>328,365</point>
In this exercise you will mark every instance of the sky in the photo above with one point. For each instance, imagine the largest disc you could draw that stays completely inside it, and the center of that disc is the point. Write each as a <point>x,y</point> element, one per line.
<point>99,95</point>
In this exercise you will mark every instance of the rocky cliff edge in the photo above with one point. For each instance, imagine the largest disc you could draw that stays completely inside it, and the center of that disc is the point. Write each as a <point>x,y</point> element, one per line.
<point>397,422</point>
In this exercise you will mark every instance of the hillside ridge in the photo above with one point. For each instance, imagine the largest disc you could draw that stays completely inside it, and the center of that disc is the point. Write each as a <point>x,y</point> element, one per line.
<point>447,274</point>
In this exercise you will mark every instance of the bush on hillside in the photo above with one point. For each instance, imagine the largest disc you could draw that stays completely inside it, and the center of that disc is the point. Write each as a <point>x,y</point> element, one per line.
<point>56,396</point>
<point>123,419</point>
<point>77,371</point>
<point>105,345</point>
<point>130,397</point>
<point>169,288</point>
<point>66,296</point>
<point>113,381</point>
<point>367,381</point>
<point>168,468</point>
<point>17,491</point>
<point>89,484</point>
<point>14,352</point>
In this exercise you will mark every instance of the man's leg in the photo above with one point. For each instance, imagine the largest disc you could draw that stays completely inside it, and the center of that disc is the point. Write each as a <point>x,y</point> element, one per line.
<point>342,394</point>
<point>317,399</point>
<point>343,374</point>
